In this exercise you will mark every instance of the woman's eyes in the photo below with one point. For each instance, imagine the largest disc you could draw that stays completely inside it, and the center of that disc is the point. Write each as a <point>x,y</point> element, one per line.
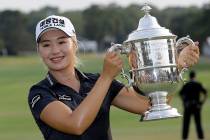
<point>46,45</point>
<point>61,42</point>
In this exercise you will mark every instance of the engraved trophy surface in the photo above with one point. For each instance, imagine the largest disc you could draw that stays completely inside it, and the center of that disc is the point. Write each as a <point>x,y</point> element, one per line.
<point>152,53</point>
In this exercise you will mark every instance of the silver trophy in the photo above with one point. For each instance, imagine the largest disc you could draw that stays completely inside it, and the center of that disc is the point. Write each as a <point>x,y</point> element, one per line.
<point>152,53</point>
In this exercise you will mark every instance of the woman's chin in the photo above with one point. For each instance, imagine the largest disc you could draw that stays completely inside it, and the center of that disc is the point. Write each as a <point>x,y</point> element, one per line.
<point>57,67</point>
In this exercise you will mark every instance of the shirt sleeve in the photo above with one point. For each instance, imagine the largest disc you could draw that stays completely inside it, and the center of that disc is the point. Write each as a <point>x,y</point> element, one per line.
<point>115,88</point>
<point>38,99</point>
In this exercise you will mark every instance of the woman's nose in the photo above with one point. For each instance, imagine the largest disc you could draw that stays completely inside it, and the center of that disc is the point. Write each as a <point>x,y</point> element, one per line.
<point>55,49</point>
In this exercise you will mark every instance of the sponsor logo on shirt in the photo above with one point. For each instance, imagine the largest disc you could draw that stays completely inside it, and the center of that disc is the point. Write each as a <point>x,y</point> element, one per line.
<point>35,100</point>
<point>64,97</point>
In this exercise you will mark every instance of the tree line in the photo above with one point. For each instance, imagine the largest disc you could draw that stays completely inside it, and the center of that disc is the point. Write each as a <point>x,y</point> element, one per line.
<point>104,24</point>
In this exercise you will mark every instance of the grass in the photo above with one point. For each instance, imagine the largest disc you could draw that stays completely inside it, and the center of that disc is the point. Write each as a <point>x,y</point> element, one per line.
<point>17,74</point>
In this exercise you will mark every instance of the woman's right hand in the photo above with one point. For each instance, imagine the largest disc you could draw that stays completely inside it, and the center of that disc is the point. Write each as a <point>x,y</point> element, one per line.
<point>112,65</point>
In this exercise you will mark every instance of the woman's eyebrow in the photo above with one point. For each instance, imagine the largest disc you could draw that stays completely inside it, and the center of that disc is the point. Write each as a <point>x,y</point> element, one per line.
<point>45,40</point>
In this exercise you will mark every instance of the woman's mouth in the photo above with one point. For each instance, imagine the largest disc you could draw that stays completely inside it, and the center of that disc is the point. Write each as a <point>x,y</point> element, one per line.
<point>57,59</point>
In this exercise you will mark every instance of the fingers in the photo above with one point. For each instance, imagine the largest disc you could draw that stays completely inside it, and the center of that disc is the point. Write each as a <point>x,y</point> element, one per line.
<point>111,54</point>
<point>189,55</point>
<point>190,60</point>
<point>196,55</point>
<point>114,57</point>
<point>195,48</point>
<point>196,43</point>
<point>112,64</point>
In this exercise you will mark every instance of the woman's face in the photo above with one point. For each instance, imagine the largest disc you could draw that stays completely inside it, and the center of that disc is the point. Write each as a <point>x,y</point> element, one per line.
<point>57,50</point>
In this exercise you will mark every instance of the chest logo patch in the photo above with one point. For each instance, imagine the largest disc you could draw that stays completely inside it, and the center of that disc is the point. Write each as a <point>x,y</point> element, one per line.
<point>64,97</point>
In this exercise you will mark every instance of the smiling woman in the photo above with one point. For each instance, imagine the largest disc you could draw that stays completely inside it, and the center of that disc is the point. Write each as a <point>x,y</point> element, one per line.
<point>70,104</point>
<point>57,50</point>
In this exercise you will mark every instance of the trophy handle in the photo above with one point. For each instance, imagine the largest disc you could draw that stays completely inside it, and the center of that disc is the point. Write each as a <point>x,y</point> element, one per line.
<point>119,48</point>
<point>180,45</point>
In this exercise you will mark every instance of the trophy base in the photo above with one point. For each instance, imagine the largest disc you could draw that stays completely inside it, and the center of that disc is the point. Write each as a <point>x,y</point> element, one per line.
<point>159,109</point>
<point>161,114</point>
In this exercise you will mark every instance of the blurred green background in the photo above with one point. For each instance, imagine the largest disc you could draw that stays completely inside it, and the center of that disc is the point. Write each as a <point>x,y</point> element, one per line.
<point>17,74</point>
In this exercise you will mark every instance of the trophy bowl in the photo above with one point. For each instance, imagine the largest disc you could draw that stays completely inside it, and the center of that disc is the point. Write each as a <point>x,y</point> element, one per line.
<point>152,53</point>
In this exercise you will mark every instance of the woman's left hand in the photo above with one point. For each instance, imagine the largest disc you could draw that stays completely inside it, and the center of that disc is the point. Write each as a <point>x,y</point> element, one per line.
<point>188,56</point>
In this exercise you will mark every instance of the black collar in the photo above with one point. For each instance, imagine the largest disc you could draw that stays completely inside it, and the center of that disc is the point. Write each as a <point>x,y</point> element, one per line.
<point>52,81</point>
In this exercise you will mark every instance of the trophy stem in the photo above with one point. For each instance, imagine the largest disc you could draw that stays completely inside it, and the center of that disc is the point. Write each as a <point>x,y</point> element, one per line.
<point>160,109</point>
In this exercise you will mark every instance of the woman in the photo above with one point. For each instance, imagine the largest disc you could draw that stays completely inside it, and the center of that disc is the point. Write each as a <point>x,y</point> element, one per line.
<point>69,104</point>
